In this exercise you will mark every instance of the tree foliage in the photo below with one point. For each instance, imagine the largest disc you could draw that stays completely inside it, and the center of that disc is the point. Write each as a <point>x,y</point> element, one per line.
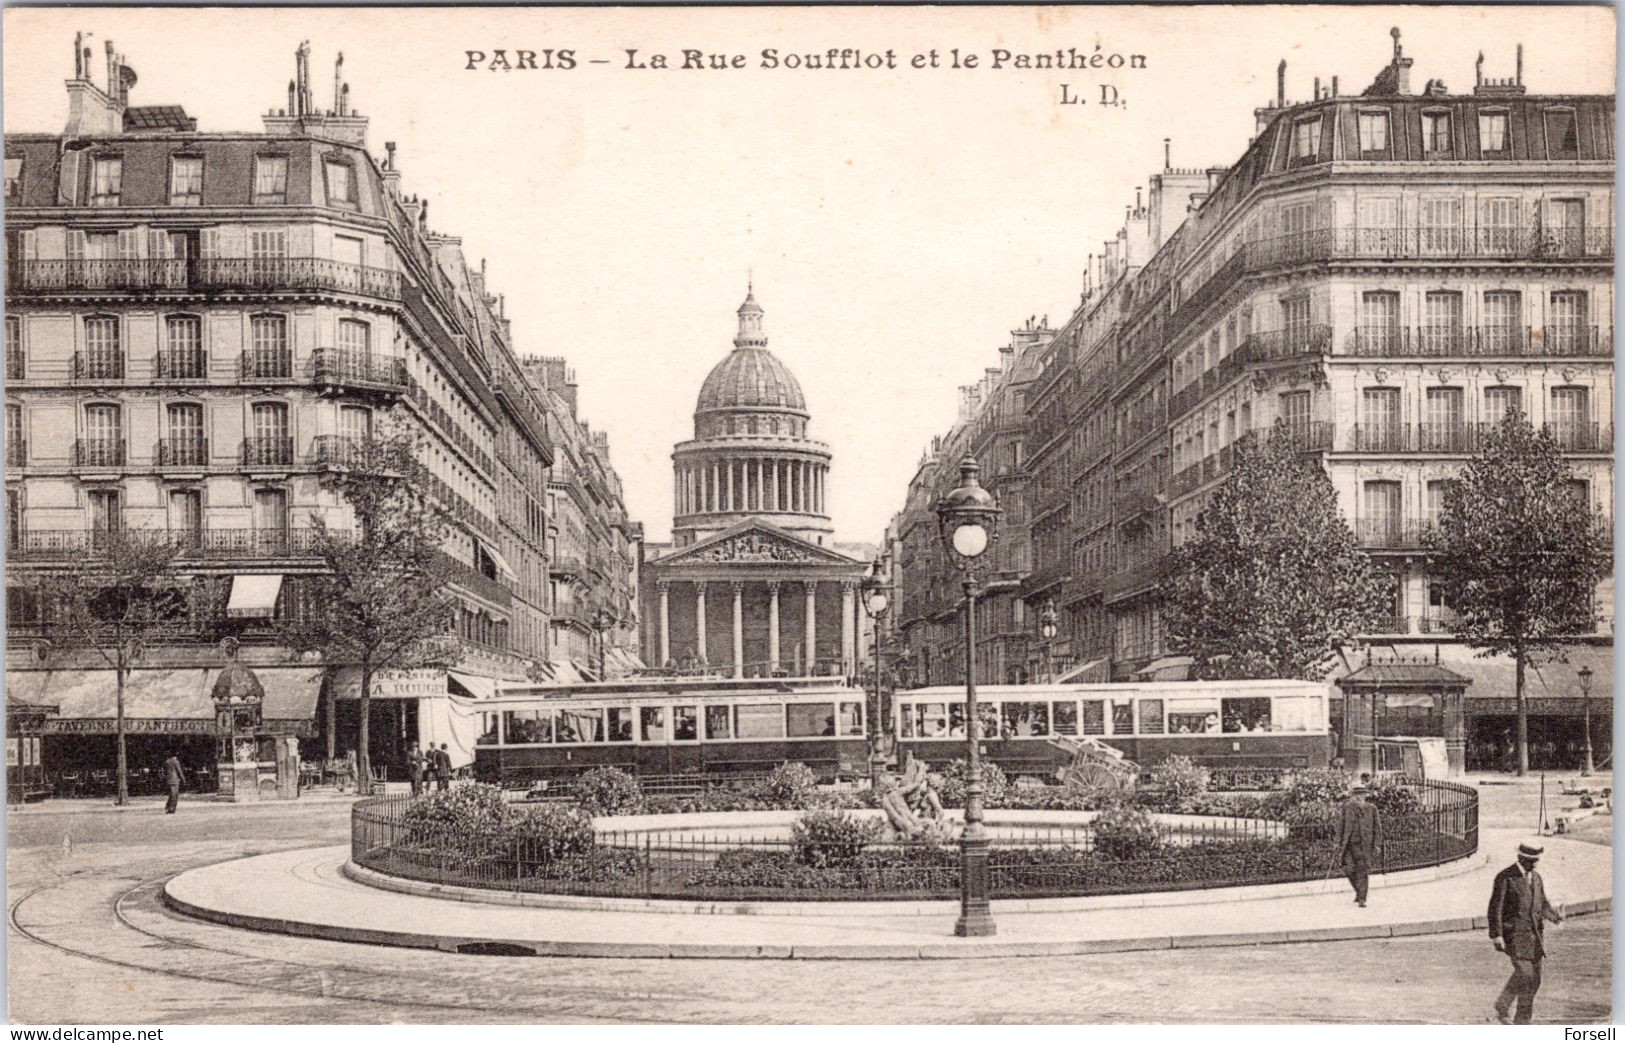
<point>1273,583</point>
<point>122,597</point>
<point>381,600</point>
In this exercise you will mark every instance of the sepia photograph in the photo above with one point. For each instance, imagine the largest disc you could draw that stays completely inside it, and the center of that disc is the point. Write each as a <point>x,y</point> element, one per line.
<point>806,515</point>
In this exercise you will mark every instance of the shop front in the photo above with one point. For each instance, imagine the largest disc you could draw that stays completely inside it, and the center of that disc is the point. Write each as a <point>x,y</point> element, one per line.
<point>410,708</point>
<point>25,764</point>
<point>1557,706</point>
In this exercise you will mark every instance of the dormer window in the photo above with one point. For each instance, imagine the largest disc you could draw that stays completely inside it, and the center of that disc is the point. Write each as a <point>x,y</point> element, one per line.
<point>107,181</point>
<point>1562,141</point>
<point>186,181</point>
<point>14,178</point>
<point>271,180</point>
<point>1492,131</point>
<point>1436,132</point>
<point>340,184</point>
<point>1373,132</point>
<point>1306,138</point>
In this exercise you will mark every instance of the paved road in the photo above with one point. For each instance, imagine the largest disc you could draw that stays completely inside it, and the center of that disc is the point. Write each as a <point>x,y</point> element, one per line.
<point>89,942</point>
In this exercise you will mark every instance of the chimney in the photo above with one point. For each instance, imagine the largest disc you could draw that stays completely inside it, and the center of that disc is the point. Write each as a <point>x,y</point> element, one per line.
<point>389,161</point>
<point>1316,95</point>
<point>1167,154</point>
<point>1518,79</point>
<point>1334,86</point>
<point>338,85</point>
<point>1280,85</point>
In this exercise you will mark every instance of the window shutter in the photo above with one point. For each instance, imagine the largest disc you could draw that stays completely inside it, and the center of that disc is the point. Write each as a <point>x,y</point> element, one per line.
<point>129,244</point>
<point>209,243</point>
<point>30,243</point>
<point>76,244</point>
<point>157,244</point>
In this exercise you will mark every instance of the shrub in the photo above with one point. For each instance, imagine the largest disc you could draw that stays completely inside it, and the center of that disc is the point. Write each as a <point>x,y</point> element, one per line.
<point>1125,832</point>
<point>609,791</point>
<point>1317,785</point>
<point>995,787</point>
<point>1177,784</point>
<point>447,816</point>
<point>1313,820</point>
<point>790,785</point>
<point>822,838</point>
<point>1394,797</point>
<point>548,833</point>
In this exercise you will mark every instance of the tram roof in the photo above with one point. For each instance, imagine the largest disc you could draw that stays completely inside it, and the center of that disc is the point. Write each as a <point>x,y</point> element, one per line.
<point>656,687</point>
<point>1118,688</point>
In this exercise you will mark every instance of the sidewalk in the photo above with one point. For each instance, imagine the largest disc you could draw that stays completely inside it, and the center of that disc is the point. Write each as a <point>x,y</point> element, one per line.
<point>189,801</point>
<point>308,893</point>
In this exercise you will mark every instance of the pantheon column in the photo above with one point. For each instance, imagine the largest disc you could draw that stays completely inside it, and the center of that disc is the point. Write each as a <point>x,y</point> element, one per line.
<point>739,629</point>
<point>773,627</point>
<point>848,637</point>
<point>665,621</point>
<point>812,626</point>
<point>699,619</point>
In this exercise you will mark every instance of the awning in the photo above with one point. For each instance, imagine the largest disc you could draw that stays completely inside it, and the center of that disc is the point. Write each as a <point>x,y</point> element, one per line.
<point>1168,668</point>
<point>475,686</point>
<point>1094,671</point>
<point>1495,677</point>
<point>453,721</point>
<point>253,596</point>
<point>290,692</point>
<point>155,701</point>
<point>498,560</point>
<point>426,683</point>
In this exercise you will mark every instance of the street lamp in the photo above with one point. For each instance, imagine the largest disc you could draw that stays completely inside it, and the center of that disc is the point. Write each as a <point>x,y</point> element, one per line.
<point>601,621</point>
<point>1046,630</point>
<point>967,521</point>
<point>875,589</point>
<point>1585,703</point>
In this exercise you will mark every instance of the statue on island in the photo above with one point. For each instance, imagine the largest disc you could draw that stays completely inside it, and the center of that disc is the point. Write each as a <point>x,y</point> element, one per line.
<point>912,803</point>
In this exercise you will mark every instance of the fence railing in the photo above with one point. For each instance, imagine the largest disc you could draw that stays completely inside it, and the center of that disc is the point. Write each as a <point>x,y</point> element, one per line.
<point>1440,824</point>
<point>203,273</point>
<point>228,544</point>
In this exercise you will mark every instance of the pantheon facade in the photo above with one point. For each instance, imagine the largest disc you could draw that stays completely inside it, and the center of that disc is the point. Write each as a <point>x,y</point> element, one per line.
<point>752,584</point>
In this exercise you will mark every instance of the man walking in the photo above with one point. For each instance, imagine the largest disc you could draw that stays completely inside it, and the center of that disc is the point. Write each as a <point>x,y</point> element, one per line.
<point>1357,828</point>
<point>1518,915</point>
<point>443,767</point>
<point>173,773</point>
<point>414,768</point>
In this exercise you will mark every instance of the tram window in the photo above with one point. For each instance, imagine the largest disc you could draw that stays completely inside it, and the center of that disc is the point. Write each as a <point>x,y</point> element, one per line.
<point>685,723</point>
<point>1122,717</point>
<point>1094,717</point>
<point>1193,716</point>
<point>1292,715</point>
<point>808,720</point>
<point>851,719</point>
<point>905,722</point>
<point>718,722</point>
<point>654,724</point>
<point>759,721</point>
<point>956,720</point>
<point>930,720</point>
<point>1026,720</point>
<point>581,726</point>
<point>528,727</point>
<point>488,730</point>
<point>989,715</point>
<point>1246,715</point>
<point>1151,717</point>
<point>1065,716</point>
<point>620,723</point>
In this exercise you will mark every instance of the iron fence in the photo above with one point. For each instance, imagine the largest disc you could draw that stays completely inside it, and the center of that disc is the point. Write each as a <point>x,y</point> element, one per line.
<point>1440,825</point>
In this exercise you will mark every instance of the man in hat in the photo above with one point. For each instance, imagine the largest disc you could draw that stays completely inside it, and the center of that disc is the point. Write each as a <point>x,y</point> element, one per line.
<point>1357,841</point>
<point>1518,915</point>
<point>173,774</point>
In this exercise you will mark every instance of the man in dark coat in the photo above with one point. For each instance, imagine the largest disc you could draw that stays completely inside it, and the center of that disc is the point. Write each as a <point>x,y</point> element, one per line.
<point>414,768</point>
<point>173,773</point>
<point>1518,915</point>
<point>1357,832</point>
<point>442,767</point>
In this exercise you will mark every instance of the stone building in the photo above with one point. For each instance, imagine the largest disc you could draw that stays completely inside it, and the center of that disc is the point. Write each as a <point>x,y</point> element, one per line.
<point>197,325</point>
<point>752,584</point>
<point>1382,275</point>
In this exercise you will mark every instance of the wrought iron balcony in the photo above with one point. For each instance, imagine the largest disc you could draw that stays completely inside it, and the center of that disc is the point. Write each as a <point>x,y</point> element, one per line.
<point>1480,342</point>
<point>268,451</point>
<point>1381,438</point>
<point>1305,436</point>
<point>359,369</point>
<point>1391,533</point>
<point>203,274</point>
<point>1581,437</point>
<point>98,452</point>
<point>566,565</point>
<point>1294,343</point>
<point>336,451</point>
<point>191,451</point>
<point>98,365</point>
<point>182,364</point>
<point>1446,437</point>
<point>266,364</point>
<point>189,543</point>
<point>1392,244</point>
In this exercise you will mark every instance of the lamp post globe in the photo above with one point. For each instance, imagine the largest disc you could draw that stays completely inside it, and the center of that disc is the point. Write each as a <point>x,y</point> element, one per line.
<point>1589,765</point>
<point>967,522</point>
<point>602,620</point>
<point>875,603</point>
<point>1046,629</point>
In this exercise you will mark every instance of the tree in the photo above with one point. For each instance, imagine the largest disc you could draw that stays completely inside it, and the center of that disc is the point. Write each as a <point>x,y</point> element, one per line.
<point>1273,584</point>
<point>1518,554</point>
<point>120,598</point>
<point>381,600</point>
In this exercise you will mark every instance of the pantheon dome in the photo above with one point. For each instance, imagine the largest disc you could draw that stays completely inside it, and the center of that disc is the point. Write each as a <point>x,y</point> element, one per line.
<point>750,455</point>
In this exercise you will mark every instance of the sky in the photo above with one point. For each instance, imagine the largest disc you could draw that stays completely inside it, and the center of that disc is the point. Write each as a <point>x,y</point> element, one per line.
<point>898,222</point>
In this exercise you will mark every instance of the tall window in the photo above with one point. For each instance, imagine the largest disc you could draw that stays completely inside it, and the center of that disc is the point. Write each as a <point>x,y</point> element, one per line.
<point>1295,321</point>
<point>1499,402</point>
<point>1379,332</point>
<point>182,357</point>
<point>1295,413</point>
<point>16,450</point>
<point>183,444</point>
<point>1380,524</point>
<point>103,357</point>
<point>103,444</point>
<point>1380,430</point>
<point>1436,132</point>
<point>1441,227</point>
<point>1442,431</point>
<point>1306,139</point>
<point>186,515</point>
<point>186,181</point>
<point>340,184</point>
<point>1492,131</point>
<point>268,254</point>
<point>269,443</point>
<point>14,348</point>
<point>1379,226</point>
<point>14,519</point>
<point>1498,226</point>
<point>1441,323</point>
<point>1374,132</point>
<point>1503,332</point>
<point>1567,334</point>
<point>106,182</point>
<point>106,511</point>
<point>271,179</point>
<point>1570,420</point>
<point>355,337</point>
<point>1436,493</point>
<point>1565,228</point>
<point>268,354</point>
<point>1561,140</point>
<point>271,520</point>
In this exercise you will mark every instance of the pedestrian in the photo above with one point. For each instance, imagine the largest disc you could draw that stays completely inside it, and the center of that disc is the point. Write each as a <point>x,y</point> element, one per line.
<point>414,767</point>
<point>443,768</point>
<point>1357,832</point>
<point>173,774</point>
<point>1518,915</point>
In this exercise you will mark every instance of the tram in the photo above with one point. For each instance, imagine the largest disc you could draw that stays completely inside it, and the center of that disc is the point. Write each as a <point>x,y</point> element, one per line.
<point>1219,724</point>
<point>683,726</point>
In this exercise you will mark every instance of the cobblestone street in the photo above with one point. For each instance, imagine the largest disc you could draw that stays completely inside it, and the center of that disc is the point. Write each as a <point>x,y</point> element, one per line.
<point>89,942</point>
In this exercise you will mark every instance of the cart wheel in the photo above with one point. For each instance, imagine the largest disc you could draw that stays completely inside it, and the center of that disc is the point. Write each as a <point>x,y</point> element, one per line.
<point>1098,776</point>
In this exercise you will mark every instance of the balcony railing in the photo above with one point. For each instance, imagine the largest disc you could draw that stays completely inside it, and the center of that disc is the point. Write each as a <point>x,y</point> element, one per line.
<point>1294,343</point>
<point>223,544</point>
<point>203,274</point>
<point>1136,576</point>
<point>98,365</point>
<point>1327,244</point>
<point>566,565</point>
<point>1306,436</point>
<point>267,364</point>
<point>1446,438</point>
<point>182,364</point>
<point>182,452</point>
<point>1439,624</point>
<point>363,369</point>
<point>16,452</point>
<point>1391,533</point>
<point>98,452</point>
<point>1390,625</point>
<point>1480,342</point>
<point>1381,438</point>
<point>336,451</point>
<point>268,450</point>
<point>1582,437</point>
